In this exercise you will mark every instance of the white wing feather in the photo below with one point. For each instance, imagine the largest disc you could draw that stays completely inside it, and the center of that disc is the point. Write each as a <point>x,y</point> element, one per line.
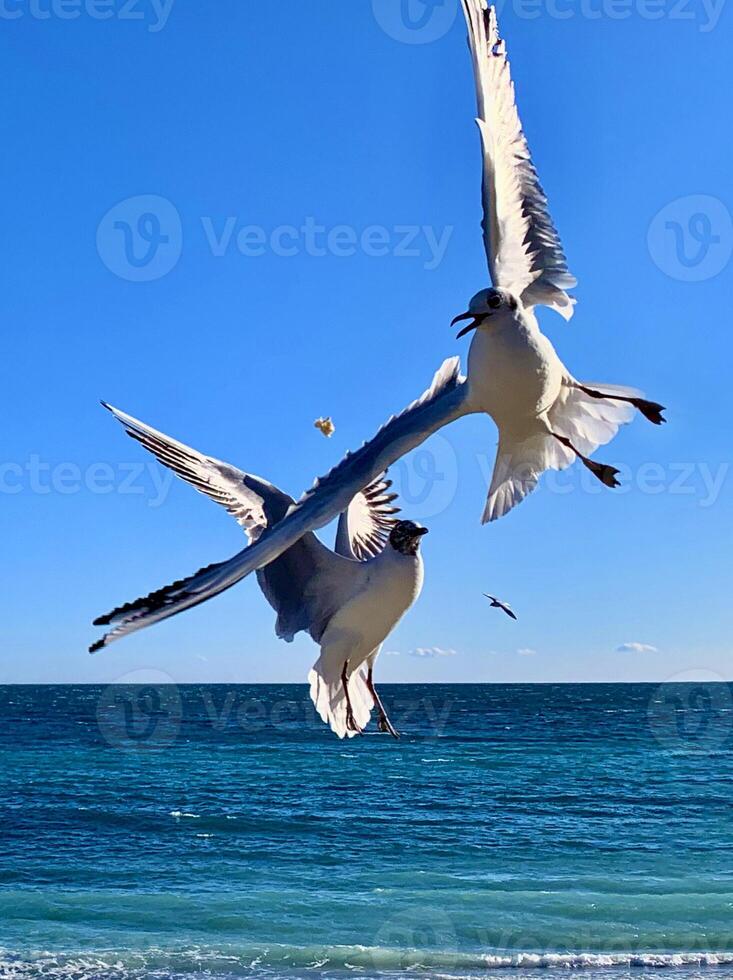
<point>590,422</point>
<point>522,245</point>
<point>364,527</point>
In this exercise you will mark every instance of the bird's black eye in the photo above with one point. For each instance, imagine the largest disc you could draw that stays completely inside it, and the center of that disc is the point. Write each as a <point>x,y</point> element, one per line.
<point>494,301</point>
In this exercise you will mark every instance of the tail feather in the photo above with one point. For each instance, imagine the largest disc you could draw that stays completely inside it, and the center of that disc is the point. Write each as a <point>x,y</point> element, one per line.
<point>328,696</point>
<point>362,701</point>
<point>588,422</point>
<point>519,465</point>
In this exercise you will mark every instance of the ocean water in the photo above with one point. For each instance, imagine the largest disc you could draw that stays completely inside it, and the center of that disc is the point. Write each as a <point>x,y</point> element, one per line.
<point>221,832</point>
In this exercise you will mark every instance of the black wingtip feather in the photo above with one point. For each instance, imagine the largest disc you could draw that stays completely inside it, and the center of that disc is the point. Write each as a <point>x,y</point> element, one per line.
<point>153,601</point>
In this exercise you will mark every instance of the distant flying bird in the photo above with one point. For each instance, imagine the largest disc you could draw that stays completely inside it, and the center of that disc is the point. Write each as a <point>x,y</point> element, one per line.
<point>349,600</point>
<point>326,426</point>
<point>496,604</point>
<point>545,417</point>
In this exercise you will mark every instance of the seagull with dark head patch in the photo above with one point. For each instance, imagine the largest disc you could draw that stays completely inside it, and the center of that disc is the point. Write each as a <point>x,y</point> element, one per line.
<point>349,599</point>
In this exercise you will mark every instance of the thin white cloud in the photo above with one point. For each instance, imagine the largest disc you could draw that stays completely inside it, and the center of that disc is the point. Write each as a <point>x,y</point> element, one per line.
<point>391,653</point>
<point>635,647</point>
<point>521,652</point>
<point>430,652</point>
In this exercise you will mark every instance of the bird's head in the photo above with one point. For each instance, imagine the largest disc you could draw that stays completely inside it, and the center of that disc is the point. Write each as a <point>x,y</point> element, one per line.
<point>405,537</point>
<point>486,304</point>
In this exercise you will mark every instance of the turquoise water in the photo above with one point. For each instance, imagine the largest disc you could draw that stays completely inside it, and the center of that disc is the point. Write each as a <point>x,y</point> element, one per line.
<point>224,832</point>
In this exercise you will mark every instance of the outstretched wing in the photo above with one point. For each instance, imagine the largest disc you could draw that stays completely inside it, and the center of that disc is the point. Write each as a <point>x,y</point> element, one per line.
<point>444,401</point>
<point>304,585</point>
<point>363,528</point>
<point>221,482</point>
<point>522,244</point>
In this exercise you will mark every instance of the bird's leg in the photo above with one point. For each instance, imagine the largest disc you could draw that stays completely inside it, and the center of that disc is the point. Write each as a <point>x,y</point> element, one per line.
<point>385,725</point>
<point>606,474</point>
<point>650,410</point>
<point>350,722</point>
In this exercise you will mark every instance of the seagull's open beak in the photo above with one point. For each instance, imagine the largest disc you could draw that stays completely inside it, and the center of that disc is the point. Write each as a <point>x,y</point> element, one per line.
<point>471,326</point>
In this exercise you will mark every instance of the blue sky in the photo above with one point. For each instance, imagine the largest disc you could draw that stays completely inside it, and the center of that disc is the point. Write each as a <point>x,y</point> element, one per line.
<point>319,174</point>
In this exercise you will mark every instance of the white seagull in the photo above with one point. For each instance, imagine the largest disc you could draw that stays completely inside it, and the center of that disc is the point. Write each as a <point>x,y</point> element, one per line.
<point>348,600</point>
<point>545,417</point>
